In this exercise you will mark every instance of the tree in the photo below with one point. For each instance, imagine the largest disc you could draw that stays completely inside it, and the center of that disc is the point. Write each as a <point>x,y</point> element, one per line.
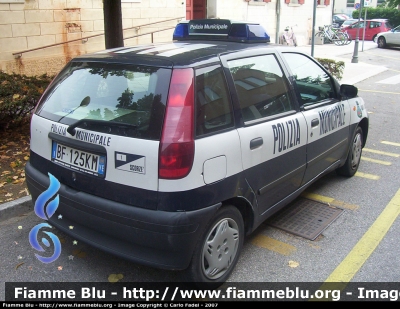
<point>393,3</point>
<point>113,24</point>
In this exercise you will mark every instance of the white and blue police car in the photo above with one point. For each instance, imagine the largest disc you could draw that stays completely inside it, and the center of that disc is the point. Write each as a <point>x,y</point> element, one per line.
<point>169,154</point>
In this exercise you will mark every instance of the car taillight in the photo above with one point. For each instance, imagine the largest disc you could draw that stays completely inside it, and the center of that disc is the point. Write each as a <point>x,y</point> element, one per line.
<point>177,144</point>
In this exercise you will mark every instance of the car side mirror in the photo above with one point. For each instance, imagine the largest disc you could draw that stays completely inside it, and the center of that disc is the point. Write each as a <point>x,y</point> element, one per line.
<point>348,91</point>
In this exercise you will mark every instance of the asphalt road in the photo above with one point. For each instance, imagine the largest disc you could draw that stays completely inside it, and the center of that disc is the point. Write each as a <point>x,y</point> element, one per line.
<point>361,245</point>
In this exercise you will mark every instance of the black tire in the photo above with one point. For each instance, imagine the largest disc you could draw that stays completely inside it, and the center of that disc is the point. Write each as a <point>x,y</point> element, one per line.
<point>381,42</point>
<point>340,39</point>
<point>354,156</point>
<point>218,250</point>
<point>348,39</point>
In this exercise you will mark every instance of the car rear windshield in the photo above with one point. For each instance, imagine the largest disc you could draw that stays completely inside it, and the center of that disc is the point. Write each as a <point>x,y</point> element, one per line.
<point>388,25</point>
<point>111,98</point>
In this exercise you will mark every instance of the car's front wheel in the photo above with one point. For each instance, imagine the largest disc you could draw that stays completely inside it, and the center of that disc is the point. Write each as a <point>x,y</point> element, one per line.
<point>354,156</point>
<point>381,42</point>
<point>218,249</point>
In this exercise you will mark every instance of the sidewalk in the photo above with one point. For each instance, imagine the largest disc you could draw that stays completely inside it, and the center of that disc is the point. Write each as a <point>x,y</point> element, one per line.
<point>353,73</point>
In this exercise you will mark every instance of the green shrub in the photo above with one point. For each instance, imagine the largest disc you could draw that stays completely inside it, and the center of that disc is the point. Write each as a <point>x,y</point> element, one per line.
<point>334,67</point>
<point>19,95</point>
<point>392,14</point>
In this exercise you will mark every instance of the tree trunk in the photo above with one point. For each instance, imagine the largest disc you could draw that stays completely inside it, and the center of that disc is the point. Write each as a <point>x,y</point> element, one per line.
<point>113,24</point>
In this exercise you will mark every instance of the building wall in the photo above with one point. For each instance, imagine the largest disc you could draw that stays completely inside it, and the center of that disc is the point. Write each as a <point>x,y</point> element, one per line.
<point>31,24</point>
<point>297,16</point>
<point>341,6</point>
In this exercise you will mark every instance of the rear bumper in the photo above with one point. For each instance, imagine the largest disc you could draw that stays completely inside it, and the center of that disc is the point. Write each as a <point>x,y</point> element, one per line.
<point>149,237</point>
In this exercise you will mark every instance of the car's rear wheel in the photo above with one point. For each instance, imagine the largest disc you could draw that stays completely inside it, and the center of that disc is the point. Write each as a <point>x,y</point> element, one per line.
<point>354,156</point>
<point>218,249</point>
<point>381,42</point>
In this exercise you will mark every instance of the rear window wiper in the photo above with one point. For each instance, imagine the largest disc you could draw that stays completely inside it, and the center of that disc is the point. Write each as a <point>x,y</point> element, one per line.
<point>71,129</point>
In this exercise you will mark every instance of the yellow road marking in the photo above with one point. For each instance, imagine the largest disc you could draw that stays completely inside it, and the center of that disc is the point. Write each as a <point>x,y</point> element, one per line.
<point>329,200</point>
<point>368,176</point>
<point>390,154</point>
<point>352,263</point>
<point>390,143</point>
<point>379,91</point>
<point>273,244</point>
<point>356,258</point>
<point>376,161</point>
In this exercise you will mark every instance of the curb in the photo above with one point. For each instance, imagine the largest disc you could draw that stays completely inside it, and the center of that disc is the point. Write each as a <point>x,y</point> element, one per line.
<point>15,208</point>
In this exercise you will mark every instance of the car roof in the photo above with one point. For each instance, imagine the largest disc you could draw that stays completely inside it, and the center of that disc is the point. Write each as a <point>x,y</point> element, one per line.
<point>174,53</point>
<point>375,19</point>
<point>351,21</point>
<point>343,16</point>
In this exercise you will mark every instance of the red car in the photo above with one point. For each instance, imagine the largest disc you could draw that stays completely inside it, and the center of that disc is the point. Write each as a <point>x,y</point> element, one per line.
<point>372,28</point>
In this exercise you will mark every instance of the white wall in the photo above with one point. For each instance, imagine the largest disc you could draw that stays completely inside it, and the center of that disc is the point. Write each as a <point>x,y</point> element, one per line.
<point>297,16</point>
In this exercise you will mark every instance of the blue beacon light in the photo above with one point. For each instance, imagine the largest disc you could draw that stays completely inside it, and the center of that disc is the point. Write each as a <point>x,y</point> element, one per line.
<point>221,30</point>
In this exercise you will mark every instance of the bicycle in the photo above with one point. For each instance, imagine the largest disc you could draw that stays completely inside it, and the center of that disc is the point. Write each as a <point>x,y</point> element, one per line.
<point>346,36</point>
<point>335,35</point>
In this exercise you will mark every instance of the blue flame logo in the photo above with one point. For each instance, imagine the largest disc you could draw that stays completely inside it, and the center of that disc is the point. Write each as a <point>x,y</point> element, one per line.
<point>45,208</point>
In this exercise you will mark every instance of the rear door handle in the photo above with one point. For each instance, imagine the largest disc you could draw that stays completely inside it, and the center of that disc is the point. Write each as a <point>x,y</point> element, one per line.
<point>314,122</point>
<point>256,142</point>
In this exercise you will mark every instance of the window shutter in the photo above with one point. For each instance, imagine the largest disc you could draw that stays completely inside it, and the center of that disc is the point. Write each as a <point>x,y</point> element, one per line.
<point>287,1</point>
<point>327,2</point>
<point>301,1</point>
<point>266,0</point>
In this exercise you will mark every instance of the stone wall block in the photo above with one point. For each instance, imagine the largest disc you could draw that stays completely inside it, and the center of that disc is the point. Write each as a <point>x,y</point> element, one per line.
<point>12,17</point>
<point>27,30</point>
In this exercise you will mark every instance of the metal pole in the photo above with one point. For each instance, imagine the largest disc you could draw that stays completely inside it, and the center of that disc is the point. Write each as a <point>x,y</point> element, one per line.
<point>355,54</point>
<point>365,23</point>
<point>278,20</point>
<point>313,28</point>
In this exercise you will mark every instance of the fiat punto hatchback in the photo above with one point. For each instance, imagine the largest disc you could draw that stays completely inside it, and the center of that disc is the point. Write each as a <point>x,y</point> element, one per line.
<point>170,154</point>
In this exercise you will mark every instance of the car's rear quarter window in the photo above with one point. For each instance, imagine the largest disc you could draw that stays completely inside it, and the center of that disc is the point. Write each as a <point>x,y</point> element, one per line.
<point>213,105</point>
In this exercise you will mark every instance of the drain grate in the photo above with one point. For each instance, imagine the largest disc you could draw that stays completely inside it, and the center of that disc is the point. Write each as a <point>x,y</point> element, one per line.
<point>305,218</point>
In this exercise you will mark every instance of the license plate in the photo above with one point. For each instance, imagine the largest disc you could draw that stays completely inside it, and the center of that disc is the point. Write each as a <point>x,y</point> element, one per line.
<point>78,160</point>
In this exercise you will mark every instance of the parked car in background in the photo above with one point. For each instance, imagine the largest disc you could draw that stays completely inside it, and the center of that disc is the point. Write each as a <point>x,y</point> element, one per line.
<point>372,28</point>
<point>388,38</point>
<point>338,20</point>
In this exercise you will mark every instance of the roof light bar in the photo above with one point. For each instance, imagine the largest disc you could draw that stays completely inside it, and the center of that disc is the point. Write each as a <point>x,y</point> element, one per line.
<point>220,29</point>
